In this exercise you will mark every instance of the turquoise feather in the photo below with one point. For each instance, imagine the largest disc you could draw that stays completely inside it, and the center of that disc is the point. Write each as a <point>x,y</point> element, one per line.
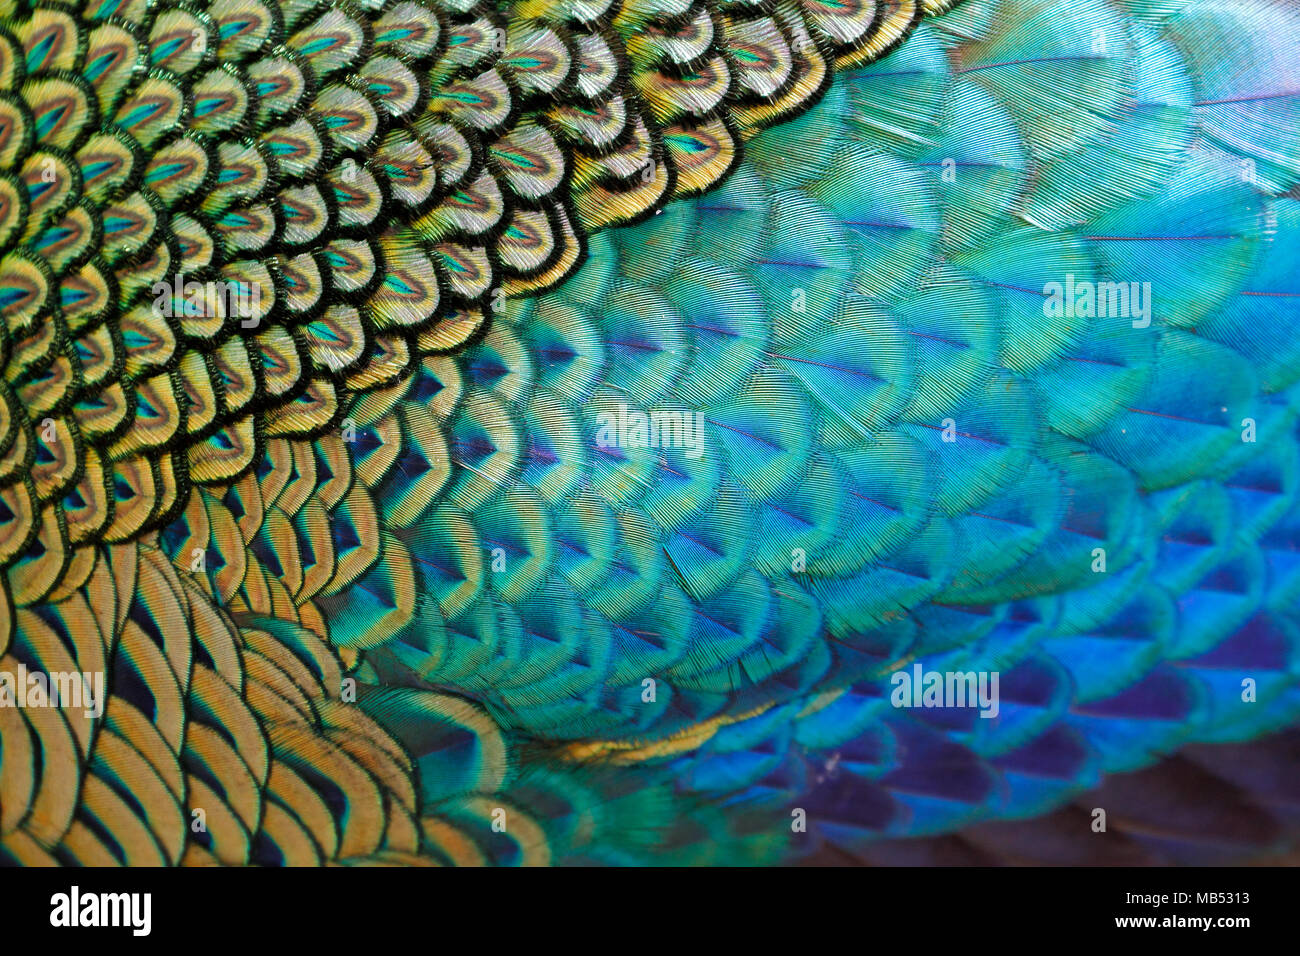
<point>919,211</point>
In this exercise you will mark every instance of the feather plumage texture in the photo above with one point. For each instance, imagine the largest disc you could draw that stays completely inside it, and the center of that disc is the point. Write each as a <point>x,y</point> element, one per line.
<point>903,457</point>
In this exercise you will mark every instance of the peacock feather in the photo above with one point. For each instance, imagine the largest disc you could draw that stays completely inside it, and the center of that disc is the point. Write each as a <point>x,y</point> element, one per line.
<point>576,431</point>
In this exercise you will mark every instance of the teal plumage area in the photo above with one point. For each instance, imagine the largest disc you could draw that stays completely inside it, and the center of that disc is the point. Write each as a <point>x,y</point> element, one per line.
<point>873,273</point>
